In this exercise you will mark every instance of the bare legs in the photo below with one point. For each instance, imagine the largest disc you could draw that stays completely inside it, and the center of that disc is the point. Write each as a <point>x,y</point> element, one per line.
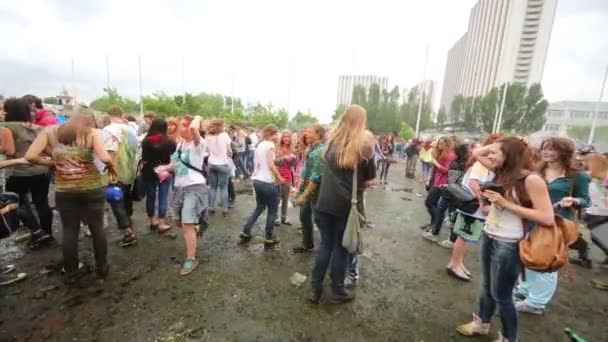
<point>456,263</point>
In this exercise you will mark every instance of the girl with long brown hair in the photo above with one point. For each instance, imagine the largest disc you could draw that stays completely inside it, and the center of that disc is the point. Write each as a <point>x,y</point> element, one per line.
<point>349,146</point>
<point>468,227</point>
<point>569,190</point>
<point>79,186</point>
<point>443,156</point>
<point>509,159</point>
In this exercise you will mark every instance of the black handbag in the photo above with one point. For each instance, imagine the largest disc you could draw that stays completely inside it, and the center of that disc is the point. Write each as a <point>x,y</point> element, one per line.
<point>138,190</point>
<point>461,198</point>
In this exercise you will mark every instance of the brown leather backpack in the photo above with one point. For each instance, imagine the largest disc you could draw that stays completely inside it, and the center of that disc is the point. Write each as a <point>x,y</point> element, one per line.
<point>545,248</point>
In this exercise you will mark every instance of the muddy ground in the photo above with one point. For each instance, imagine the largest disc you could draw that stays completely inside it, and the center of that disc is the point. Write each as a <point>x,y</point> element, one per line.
<point>244,293</point>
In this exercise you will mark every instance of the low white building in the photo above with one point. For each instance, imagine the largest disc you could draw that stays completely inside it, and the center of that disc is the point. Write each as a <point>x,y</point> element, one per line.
<point>565,114</point>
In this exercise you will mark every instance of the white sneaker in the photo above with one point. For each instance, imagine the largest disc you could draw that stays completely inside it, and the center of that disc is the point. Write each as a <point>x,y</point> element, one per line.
<point>522,306</point>
<point>429,236</point>
<point>446,244</point>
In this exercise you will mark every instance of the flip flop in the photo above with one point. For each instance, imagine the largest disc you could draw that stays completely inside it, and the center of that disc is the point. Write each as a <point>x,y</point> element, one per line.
<point>163,229</point>
<point>456,276</point>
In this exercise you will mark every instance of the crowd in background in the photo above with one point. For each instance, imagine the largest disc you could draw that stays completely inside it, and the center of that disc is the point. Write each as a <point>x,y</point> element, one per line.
<point>187,167</point>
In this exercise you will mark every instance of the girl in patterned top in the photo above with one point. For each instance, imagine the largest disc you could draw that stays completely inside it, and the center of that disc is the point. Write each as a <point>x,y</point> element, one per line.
<point>79,186</point>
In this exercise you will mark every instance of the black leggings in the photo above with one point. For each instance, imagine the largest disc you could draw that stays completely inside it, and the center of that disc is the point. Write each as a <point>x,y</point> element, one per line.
<point>72,206</point>
<point>38,187</point>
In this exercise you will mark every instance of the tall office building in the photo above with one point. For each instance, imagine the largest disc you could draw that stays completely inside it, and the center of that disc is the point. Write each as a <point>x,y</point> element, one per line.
<point>507,41</point>
<point>346,85</point>
<point>451,77</point>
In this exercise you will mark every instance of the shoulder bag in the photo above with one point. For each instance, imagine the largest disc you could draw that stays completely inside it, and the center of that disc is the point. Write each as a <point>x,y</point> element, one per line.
<point>138,190</point>
<point>352,236</point>
<point>545,248</point>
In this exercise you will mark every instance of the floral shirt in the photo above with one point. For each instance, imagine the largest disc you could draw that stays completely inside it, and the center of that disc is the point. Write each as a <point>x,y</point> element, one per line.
<point>312,171</point>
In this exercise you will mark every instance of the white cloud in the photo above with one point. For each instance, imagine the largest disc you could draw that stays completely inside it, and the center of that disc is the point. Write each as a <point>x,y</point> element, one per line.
<point>287,52</point>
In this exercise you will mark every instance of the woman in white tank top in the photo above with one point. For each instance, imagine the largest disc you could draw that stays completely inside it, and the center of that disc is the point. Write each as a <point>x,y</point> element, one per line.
<point>509,159</point>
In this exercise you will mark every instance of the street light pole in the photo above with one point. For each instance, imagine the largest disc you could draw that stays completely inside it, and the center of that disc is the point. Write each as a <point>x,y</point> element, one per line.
<point>426,58</point>
<point>141,97</point>
<point>597,109</point>
<point>502,107</point>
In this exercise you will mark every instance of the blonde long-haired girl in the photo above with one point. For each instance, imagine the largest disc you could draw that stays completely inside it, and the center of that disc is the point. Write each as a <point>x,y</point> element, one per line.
<point>349,146</point>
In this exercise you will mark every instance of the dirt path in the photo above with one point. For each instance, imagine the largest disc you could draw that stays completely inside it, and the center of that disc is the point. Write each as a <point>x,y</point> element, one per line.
<point>244,293</point>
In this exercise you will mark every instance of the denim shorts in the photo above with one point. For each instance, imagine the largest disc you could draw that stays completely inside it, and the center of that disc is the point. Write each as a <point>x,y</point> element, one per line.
<point>190,202</point>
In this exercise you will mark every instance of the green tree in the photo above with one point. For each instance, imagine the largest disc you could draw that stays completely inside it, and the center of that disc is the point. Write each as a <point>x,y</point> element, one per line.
<point>359,96</point>
<point>441,116</point>
<point>161,104</point>
<point>112,98</point>
<point>532,114</point>
<point>301,121</point>
<point>338,112</point>
<point>409,110</point>
<point>50,100</point>
<point>488,107</point>
<point>406,132</point>
<point>374,116</point>
<point>260,115</point>
<point>457,108</point>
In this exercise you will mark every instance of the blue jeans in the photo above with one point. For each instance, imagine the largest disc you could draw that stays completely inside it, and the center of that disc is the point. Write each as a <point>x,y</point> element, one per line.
<point>538,288</point>
<point>218,178</point>
<point>332,231</point>
<point>500,267</point>
<point>240,161</point>
<point>163,196</point>
<point>432,202</point>
<point>266,196</point>
<point>249,160</point>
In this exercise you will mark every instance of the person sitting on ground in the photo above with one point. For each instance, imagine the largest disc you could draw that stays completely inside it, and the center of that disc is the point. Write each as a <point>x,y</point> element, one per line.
<point>6,275</point>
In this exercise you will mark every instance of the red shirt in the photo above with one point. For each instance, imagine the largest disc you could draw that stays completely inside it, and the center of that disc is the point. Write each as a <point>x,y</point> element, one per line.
<point>441,171</point>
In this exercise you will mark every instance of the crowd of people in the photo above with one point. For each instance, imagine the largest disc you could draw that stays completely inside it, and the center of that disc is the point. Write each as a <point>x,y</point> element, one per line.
<point>186,166</point>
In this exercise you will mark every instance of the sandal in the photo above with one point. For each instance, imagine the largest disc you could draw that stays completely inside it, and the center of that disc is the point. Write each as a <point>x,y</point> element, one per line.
<point>163,229</point>
<point>188,266</point>
<point>129,239</point>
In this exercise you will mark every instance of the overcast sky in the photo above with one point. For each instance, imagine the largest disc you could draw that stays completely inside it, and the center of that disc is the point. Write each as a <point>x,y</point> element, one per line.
<point>286,52</point>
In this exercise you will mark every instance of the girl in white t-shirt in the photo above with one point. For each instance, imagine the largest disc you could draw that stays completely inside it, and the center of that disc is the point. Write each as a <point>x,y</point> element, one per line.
<point>266,180</point>
<point>190,198</point>
<point>220,152</point>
